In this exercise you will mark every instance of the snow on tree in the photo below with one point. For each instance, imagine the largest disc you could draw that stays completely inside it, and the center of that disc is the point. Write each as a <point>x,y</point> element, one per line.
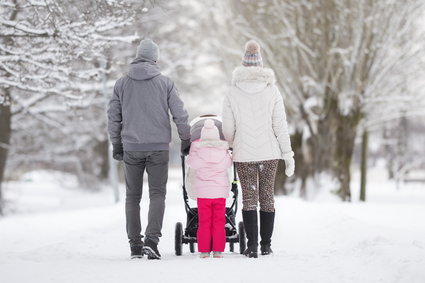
<point>50,61</point>
<point>333,60</point>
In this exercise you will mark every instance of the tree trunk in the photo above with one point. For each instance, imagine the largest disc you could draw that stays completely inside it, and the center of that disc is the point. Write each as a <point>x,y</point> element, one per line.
<point>5,120</point>
<point>5,132</point>
<point>101,150</point>
<point>363,165</point>
<point>389,153</point>
<point>302,166</point>
<point>280,180</point>
<point>322,145</point>
<point>344,146</point>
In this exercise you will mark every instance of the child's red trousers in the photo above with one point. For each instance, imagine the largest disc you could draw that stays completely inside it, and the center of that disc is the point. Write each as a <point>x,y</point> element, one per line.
<point>211,232</point>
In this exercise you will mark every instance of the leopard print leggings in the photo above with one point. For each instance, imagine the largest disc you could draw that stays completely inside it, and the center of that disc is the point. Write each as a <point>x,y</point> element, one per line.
<point>257,182</point>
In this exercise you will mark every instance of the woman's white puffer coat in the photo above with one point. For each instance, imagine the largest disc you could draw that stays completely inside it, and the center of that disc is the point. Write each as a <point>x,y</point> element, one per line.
<point>254,118</point>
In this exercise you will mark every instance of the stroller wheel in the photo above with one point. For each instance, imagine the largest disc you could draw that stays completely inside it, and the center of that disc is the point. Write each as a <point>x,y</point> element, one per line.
<point>242,241</point>
<point>232,247</point>
<point>192,247</point>
<point>178,241</point>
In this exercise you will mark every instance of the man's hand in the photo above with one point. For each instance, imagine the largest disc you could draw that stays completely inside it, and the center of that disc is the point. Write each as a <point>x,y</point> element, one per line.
<point>117,151</point>
<point>185,147</point>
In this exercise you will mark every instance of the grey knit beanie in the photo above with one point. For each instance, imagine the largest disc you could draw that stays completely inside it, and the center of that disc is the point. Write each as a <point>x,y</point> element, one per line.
<point>252,56</point>
<point>148,49</point>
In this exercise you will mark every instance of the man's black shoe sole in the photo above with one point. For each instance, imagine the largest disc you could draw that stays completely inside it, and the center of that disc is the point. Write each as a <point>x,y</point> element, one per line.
<point>252,255</point>
<point>136,256</point>
<point>151,253</point>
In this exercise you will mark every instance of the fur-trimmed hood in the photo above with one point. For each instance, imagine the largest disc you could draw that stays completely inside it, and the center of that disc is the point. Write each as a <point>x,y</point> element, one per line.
<point>252,79</point>
<point>243,73</point>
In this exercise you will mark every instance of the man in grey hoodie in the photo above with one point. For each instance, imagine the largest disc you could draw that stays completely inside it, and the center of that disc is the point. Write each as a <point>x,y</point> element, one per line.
<point>140,131</point>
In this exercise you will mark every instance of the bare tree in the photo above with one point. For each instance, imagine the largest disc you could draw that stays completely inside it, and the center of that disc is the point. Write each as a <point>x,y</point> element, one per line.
<point>332,59</point>
<point>48,51</point>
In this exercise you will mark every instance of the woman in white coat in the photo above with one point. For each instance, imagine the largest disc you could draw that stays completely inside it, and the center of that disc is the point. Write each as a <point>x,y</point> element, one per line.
<point>254,124</point>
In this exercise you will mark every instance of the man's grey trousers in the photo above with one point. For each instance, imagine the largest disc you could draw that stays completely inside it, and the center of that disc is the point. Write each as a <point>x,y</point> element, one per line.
<point>156,165</point>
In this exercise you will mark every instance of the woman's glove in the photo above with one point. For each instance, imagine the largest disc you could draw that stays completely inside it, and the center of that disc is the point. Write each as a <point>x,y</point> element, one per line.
<point>117,151</point>
<point>290,166</point>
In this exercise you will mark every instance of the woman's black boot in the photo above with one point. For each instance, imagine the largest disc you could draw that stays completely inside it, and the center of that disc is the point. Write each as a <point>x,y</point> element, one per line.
<point>250,221</point>
<point>266,231</point>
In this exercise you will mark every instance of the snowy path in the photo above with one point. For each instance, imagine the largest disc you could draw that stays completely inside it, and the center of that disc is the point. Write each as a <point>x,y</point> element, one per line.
<point>381,241</point>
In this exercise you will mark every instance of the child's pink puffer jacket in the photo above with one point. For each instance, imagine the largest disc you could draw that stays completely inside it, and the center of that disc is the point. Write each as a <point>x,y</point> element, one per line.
<point>211,160</point>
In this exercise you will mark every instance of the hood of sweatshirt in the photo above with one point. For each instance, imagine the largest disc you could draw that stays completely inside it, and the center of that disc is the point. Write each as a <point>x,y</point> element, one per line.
<point>142,69</point>
<point>252,79</point>
<point>211,151</point>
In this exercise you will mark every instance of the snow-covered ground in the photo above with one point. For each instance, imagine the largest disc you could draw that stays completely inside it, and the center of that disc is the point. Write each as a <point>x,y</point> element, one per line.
<point>56,233</point>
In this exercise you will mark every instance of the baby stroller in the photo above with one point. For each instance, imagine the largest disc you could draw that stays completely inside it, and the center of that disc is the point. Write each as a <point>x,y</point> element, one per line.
<point>188,236</point>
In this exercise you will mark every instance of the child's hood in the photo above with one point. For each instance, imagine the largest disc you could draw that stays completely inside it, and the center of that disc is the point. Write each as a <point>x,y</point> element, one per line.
<point>211,151</point>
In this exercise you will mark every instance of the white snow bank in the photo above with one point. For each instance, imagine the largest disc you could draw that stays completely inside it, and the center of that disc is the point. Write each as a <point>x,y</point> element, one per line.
<point>49,191</point>
<point>322,241</point>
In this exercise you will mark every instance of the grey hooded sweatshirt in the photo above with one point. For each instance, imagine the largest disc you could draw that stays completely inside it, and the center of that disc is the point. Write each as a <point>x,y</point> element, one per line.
<point>139,110</point>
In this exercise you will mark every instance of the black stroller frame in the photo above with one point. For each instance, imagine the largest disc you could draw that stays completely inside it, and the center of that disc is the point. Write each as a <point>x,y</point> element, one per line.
<point>188,236</point>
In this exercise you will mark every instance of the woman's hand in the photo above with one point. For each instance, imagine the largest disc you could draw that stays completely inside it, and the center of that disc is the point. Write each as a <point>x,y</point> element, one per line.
<point>290,166</point>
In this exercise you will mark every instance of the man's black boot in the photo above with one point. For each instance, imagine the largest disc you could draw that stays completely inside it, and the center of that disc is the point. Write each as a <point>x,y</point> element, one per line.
<point>136,251</point>
<point>151,249</point>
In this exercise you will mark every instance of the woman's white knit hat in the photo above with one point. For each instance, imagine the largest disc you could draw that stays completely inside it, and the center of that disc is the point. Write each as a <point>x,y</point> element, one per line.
<point>252,56</point>
<point>209,131</point>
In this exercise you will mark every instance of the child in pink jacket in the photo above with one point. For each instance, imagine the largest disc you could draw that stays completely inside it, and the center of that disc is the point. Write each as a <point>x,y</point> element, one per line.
<point>210,159</point>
